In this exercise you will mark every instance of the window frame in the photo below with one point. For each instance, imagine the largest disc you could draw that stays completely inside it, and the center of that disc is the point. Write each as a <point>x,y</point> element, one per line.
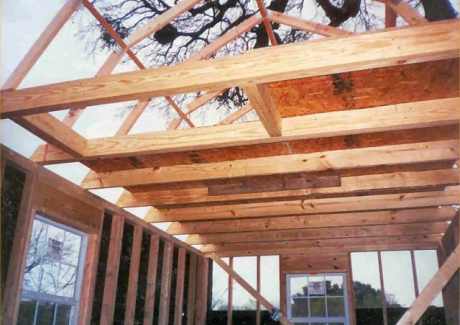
<point>40,297</point>
<point>344,320</point>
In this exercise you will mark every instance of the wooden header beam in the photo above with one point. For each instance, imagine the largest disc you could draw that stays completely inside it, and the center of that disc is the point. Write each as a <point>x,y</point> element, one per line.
<point>386,48</point>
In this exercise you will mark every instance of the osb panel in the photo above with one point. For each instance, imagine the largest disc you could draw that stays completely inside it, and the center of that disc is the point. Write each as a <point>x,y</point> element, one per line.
<point>367,88</point>
<point>274,149</point>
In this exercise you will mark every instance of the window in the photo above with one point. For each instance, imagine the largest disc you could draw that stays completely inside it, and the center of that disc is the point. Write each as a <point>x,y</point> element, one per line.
<point>52,274</point>
<point>399,270</point>
<point>317,299</point>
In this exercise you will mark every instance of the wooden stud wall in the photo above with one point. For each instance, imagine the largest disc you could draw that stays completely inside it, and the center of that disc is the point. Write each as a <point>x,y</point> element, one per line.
<point>74,209</point>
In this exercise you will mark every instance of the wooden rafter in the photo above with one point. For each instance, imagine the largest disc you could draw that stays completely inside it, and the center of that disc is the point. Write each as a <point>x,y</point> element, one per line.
<point>323,246</point>
<point>312,162</point>
<point>451,195</point>
<point>407,216</point>
<point>385,118</point>
<point>266,22</point>
<point>267,65</point>
<point>429,228</point>
<point>259,98</point>
<point>350,185</point>
<point>305,25</point>
<point>403,9</point>
<point>236,115</point>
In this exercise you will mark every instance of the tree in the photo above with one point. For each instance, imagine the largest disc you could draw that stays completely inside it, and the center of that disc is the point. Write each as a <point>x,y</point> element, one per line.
<point>212,18</point>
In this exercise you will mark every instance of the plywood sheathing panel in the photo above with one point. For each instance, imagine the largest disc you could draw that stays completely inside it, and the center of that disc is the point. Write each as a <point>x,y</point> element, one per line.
<point>367,88</point>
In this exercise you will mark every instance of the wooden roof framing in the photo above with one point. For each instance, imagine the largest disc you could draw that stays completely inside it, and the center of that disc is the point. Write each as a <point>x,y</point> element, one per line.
<point>355,148</point>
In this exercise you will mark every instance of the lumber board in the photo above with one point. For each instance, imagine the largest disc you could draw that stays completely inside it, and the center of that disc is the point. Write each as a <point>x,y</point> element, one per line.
<point>111,275</point>
<point>313,206</point>
<point>302,24</point>
<point>179,296</point>
<point>131,294</point>
<point>386,217</point>
<point>300,163</point>
<point>413,44</point>
<point>349,185</point>
<point>151,280</point>
<point>166,277</point>
<point>321,233</point>
<point>317,247</point>
<point>54,132</point>
<point>441,112</point>
<point>260,99</point>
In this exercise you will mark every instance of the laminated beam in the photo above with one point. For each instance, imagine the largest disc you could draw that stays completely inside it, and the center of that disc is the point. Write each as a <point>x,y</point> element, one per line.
<point>451,195</point>
<point>386,48</point>
<point>298,163</point>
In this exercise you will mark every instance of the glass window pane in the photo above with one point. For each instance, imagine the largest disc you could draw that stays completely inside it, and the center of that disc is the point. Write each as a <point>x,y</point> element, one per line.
<point>71,248</point>
<point>270,279</point>
<point>299,306</point>
<point>335,307</point>
<point>318,307</point>
<point>219,287</point>
<point>426,265</point>
<point>246,267</point>
<point>26,312</point>
<point>45,313</point>
<point>334,285</point>
<point>63,314</point>
<point>366,288</point>
<point>298,286</point>
<point>398,278</point>
<point>316,286</point>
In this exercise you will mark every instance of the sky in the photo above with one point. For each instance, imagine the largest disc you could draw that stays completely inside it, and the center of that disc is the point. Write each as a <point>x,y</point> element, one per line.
<point>66,59</point>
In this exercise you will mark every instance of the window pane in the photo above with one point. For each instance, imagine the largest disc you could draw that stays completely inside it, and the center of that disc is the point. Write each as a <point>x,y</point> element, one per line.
<point>219,287</point>
<point>26,312</point>
<point>299,306</point>
<point>366,287</point>
<point>246,267</point>
<point>399,283</point>
<point>270,279</point>
<point>334,285</point>
<point>335,307</point>
<point>426,264</point>
<point>63,314</point>
<point>45,313</point>
<point>318,307</point>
